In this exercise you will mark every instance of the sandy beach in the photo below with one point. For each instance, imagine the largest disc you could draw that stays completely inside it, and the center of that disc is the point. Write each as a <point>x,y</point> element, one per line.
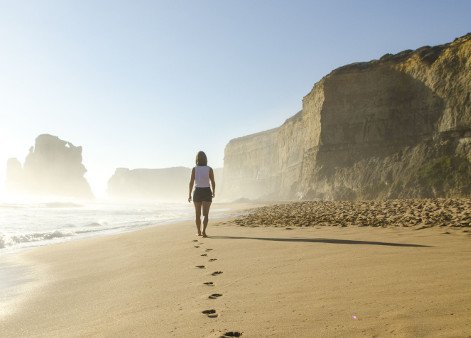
<point>314,281</point>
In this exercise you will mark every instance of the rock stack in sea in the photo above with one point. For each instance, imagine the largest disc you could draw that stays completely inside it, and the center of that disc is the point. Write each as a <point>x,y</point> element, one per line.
<point>53,167</point>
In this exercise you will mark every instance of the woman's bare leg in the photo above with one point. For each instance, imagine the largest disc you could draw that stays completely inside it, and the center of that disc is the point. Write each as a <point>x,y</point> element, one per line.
<point>198,216</point>
<point>206,206</point>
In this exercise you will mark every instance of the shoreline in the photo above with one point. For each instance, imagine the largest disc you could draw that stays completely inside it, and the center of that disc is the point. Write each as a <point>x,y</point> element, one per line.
<point>338,281</point>
<point>24,240</point>
<point>20,277</point>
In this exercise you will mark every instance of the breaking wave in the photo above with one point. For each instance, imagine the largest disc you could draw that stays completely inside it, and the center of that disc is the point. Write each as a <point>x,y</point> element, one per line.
<point>30,225</point>
<point>13,240</point>
<point>38,236</point>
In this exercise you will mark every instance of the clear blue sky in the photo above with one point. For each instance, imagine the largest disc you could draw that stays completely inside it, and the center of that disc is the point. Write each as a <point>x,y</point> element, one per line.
<point>149,83</point>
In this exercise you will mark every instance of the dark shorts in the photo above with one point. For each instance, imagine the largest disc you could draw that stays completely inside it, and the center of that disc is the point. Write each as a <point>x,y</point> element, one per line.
<point>203,195</point>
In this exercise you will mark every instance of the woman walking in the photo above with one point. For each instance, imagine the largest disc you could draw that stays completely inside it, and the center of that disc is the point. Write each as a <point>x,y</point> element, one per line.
<point>201,175</point>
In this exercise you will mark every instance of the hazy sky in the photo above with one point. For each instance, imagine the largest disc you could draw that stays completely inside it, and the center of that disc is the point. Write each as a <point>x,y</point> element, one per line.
<point>149,83</point>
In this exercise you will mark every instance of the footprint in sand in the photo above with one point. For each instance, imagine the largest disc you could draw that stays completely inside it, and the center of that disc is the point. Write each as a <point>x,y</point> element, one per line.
<point>209,283</point>
<point>213,259</point>
<point>215,296</point>
<point>215,273</point>
<point>204,254</point>
<point>207,250</point>
<point>232,334</point>
<point>200,266</point>
<point>210,313</point>
<point>197,246</point>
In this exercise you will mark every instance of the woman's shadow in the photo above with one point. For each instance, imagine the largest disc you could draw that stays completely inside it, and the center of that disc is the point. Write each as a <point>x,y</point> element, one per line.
<point>323,240</point>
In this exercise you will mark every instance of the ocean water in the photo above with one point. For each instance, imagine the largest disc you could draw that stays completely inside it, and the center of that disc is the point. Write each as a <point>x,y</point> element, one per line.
<point>29,225</point>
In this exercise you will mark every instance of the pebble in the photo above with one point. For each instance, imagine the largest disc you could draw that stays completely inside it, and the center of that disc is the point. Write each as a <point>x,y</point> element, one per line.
<point>413,213</point>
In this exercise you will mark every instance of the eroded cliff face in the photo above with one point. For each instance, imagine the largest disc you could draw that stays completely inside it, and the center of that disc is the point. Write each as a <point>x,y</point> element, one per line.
<point>253,165</point>
<point>381,129</point>
<point>53,167</point>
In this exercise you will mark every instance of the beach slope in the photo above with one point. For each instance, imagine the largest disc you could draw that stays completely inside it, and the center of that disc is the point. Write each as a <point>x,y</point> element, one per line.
<point>302,282</point>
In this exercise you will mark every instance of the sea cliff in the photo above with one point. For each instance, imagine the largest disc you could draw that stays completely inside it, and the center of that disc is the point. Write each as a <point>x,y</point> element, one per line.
<point>395,127</point>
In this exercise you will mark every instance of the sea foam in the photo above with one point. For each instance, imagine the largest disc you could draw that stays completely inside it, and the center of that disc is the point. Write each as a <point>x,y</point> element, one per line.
<point>27,225</point>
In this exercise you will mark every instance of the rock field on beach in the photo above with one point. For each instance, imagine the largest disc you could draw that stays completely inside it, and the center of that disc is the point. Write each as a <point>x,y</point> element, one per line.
<point>415,213</point>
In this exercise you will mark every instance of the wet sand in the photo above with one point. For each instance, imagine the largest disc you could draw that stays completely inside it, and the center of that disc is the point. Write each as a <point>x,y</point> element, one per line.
<point>261,281</point>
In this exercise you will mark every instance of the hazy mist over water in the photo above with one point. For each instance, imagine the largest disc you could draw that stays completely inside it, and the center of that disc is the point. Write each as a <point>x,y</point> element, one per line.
<point>24,225</point>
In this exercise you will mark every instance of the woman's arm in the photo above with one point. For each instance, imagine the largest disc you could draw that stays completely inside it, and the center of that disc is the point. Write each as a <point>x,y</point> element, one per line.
<point>192,181</point>
<point>213,184</point>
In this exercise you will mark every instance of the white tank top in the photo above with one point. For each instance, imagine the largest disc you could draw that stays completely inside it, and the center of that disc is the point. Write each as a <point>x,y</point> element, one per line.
<point>202,176</point>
